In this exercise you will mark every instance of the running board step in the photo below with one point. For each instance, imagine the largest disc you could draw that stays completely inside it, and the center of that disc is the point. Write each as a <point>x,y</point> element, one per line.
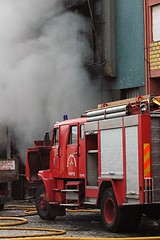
<point>70,190</point>
<point>54,203</point>
<point>89,203</point>
<point>69,204</point>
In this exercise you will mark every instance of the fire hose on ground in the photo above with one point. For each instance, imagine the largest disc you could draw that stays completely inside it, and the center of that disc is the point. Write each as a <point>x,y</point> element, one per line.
<point>50,234</point>
<point>20,220</point>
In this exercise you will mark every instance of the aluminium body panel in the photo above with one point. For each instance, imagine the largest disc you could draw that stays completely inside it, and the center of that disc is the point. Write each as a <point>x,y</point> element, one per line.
<point>91,127</point>
<point>92,168</point>
<point>110,123</point>
<point>131,121</point>
<point>117,153</point>
<point>111,153</point>
<point>132,159</point>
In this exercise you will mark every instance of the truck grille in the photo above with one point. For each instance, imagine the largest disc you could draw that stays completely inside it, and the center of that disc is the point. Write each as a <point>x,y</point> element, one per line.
<point>155,151</point>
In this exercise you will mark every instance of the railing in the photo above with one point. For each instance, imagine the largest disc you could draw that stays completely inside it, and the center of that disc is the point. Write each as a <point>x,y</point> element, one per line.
<point>148,190</point>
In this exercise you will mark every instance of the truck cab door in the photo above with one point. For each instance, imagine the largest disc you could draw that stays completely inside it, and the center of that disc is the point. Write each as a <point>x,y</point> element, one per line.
<point>72,152</point>
<point>55,154</point>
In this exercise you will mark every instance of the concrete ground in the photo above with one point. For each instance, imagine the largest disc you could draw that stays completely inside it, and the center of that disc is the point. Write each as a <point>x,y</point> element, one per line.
<point>76,224</point>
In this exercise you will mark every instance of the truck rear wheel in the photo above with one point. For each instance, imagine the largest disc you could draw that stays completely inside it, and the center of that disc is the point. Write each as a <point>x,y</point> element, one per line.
<point>44,209</point>
<point>113,217</point>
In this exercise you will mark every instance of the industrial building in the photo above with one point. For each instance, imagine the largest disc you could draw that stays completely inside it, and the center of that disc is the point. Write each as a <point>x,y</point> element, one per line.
<point>152,45</point>
<point>124,38</point>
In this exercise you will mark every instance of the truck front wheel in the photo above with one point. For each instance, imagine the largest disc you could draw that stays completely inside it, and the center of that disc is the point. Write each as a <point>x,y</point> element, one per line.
<point>113,217</point>
<point>44,209</point>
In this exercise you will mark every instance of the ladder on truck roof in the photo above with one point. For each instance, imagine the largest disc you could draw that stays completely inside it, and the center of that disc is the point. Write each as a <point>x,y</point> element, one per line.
<point>125,107</point>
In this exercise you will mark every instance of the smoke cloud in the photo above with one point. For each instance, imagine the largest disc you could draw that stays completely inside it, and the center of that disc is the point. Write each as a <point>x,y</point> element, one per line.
<point>42,74</point>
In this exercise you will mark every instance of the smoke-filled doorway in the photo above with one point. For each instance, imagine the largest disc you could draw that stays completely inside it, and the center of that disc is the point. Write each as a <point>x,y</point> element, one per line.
<point>11,168</point>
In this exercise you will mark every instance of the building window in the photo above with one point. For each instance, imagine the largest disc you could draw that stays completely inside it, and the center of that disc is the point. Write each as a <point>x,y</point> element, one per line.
<point>156,22</point>
<point>152,45</point>
<point>129,93</point>
<point>153,38</point>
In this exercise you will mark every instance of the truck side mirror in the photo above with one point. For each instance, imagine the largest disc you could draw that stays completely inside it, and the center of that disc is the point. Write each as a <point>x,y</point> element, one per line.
<point>46,139</point>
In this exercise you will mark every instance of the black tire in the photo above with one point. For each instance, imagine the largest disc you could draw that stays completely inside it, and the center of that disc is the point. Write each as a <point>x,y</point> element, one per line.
<point>153,211</point>
<point>44,209</point>
<point>113,217</point>
<point>1,207</point>
<point>133,214</point>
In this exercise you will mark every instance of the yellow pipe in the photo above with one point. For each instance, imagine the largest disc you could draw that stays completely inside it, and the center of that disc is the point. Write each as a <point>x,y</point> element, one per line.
<point>83,210</point>
<point>85,238</point>
<point>19,221</point>
<point>50,232</point>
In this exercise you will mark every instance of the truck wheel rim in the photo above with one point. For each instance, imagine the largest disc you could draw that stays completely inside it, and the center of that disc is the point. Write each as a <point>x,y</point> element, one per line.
<point>109,211</point>
<point>42,202</point>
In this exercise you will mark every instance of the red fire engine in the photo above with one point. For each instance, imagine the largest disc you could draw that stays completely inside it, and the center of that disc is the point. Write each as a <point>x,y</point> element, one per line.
<point>108,159</point>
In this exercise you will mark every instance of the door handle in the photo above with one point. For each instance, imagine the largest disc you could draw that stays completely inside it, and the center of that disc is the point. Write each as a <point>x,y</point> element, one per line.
<point>58,153</point>
<point>75,153</point>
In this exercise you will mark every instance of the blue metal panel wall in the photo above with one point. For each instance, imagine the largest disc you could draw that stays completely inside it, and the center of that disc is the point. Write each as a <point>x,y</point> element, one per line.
<point>129,24</point>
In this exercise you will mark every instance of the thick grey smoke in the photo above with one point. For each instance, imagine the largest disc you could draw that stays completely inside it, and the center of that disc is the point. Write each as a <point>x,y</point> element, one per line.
<point>42,54</point>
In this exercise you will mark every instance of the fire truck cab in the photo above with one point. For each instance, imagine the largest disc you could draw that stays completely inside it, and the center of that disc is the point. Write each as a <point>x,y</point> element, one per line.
<point>108,159</point>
